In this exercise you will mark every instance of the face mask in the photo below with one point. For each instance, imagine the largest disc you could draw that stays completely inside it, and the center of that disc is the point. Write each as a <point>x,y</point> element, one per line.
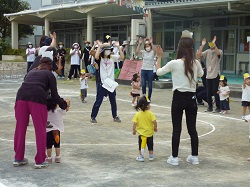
<point>148,48</point>
<point>30,46</point>
<point>87,45</point>
<point>75,46</point>
<point>61,46</point>
<point>107,52</point>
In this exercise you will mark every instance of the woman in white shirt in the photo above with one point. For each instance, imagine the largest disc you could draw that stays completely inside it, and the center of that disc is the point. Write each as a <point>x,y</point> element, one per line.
<point>185,70</point>
<point>30,52</point>
<point>75,54</point>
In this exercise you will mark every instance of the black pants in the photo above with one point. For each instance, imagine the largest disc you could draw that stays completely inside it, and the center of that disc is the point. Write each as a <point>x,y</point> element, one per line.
<point>212,88</point>
<point>74,69</point>
<point>201,94</point>
<point>184,101</point>
<point>62,70</point>
<point>150,143</point>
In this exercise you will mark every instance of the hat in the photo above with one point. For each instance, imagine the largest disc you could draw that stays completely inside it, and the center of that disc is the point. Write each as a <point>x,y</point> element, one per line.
<point>86,41</point>
<point>211,44</point>
<point>75,44</point>
<point>187,34</point>
<point>108,37</point>
<point>29,43</point>
<point>246,75</point>
<point>60,43</point>
<point>125,42</point>
<point>83,71</point>
<point>47,41</point>
<point>223,78</point>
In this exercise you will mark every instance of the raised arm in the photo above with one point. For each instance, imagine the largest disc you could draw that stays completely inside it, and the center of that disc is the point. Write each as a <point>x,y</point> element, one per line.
<point>53,37</point>
<point>199,52</point>
<point>97,53</point>
<point>217,51</point>
<point>138,51</point>
<point>159,52</point>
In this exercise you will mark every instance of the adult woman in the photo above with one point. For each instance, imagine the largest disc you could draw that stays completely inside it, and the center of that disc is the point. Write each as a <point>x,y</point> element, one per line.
<point>75,53</point>
<point>33,102</point>
<point>185,70</point>
<point>30,52</point>
<point>147,73</point>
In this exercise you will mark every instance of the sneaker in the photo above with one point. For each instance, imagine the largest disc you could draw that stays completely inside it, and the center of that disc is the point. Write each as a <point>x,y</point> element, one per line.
<point>224,112</point>
<point>193,159</point>
<point>243,117</point>
<point>151,158</point>
<point>209,110</point>
<point>49,160</point>
<point>133,104</point>
<point>140,158</point>
<point>173,161</point>
<point>20,162</point>
<point>93,120</point>
<point>42,165</point>
<point>221,111</point>
<point>68,79</point>
<point>117,119</point>
<point>217,110</point>
<point>57,159</point>
<point>84,101</point>
<point>63,77</point>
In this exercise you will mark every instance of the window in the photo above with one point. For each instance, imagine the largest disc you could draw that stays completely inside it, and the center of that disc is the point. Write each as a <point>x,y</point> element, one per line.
<point>157,26</point>
<point>244,33</point>
<point>245,21</point>
<point>169,40</point>
<point>222,22</point>
<point>177,38</point>
<point>157,36</point>
<point>169,25</point>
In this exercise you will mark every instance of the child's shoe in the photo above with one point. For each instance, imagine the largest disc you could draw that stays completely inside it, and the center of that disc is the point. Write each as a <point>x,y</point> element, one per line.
<point>173,161</point>
<point>57,159</point>
<point>49,160</point>
<point>140,158</point>
<point>151,158</point>
<point>243,117</point>
<point>193,159</point>
<point>20,162</point>
<point>224,112</point>
<point>42,165</point>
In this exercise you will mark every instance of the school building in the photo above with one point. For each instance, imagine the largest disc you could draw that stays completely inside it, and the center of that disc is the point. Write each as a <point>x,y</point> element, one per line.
<point>79,20</point>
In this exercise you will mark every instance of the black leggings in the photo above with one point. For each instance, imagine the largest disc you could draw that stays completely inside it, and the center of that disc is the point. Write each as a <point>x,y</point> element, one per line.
<point>150,143</point>
<point>184,101</point>
<point>74,69</point>
<point>212,88</point>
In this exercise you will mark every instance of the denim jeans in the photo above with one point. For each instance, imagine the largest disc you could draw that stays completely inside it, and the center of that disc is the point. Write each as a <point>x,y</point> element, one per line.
<point>184,101</point>
<point>212,88</point>
<point>101,92</point>
<point>147,75</point>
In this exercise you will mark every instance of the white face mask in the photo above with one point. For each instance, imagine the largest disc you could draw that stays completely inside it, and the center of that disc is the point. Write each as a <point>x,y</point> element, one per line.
<point>61,46</point>
<point>107,52</point>
<point>87,45</point>
<point>30,46</point>
<point>75,46</point>
<point>148,48</point>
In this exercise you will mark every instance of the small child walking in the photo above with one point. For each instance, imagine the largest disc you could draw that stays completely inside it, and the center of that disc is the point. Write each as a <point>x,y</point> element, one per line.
<point>245,100</point>
<point>55,117</point>
<point>224,92</point>
<point>84,85</point>
<point>144,123</point>
<point>136,88</point>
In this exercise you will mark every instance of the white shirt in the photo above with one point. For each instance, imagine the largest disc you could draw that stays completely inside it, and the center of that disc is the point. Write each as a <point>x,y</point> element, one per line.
<point>223,90</point>
<point>84,83</point>
<point>30,52</point>
<point>75,59</point>
<point>148,60</point>
<point>56,119</point>
<point>246,93</point>
<point>107,67</point>
<point>180,80</point>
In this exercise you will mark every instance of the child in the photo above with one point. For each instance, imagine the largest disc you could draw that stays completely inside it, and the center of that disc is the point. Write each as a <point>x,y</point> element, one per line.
<point>245,102</point>
<point>84,85</point>
<point>55,117</point>
<point>136,87</point>
<point>144,123</point>
<point>224,92</point>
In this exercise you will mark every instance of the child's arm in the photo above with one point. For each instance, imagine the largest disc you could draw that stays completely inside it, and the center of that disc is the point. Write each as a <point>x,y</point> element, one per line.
<point>134,128</point>
<point>155,125</point>
<point>134,86</point>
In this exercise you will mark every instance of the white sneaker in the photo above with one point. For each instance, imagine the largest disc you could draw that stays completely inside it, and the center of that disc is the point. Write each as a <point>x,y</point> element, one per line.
<point>140,158</point>
<point>151,158</point>
<point>243,117</point>
<point>173,161</point>
<point>193,159</point>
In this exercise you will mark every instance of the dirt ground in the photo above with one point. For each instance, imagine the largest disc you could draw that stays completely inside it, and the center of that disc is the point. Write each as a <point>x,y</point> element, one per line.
<point>103,154</point>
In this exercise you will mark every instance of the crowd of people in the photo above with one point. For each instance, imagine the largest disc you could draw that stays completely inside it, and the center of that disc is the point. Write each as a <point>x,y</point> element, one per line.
<point>45,105</point>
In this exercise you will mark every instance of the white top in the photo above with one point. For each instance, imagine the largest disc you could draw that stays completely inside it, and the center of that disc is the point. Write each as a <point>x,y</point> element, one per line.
<point>107,67</point>
<point>136,91</point>
<point>56,119</point>
<point>42,50</point>
<point>116,50</point>
<point>246,93</point>
<point>180,80</point>
<point>30,52</point>
<point>212,63</point>
<point>84,83</point>
<point>224,90</point>
<point>75,59</point>
<point>148,60</point>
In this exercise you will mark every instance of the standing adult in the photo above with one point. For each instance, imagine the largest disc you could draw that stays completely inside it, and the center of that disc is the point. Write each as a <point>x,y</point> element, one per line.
<point>33,102</point>
<point>86,58</point>
<point>75,54</point>
<point>213,57</point>
<point>30,52</point>
<point>61,52</point>
<point>185,70</point>
<point>147,73</point>
<point>106,81</point>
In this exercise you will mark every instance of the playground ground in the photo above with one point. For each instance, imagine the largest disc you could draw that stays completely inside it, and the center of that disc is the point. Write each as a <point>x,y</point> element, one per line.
<point>103,154</point>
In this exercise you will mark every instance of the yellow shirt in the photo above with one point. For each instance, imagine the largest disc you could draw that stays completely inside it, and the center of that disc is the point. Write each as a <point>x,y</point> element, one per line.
<point>144,123</point>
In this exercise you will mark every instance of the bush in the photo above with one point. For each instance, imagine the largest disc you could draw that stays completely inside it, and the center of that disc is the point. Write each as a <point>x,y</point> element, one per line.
<point>3,46</point>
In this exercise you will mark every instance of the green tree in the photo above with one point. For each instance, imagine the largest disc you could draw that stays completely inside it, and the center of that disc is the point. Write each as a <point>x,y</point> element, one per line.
<point>12,6</point>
